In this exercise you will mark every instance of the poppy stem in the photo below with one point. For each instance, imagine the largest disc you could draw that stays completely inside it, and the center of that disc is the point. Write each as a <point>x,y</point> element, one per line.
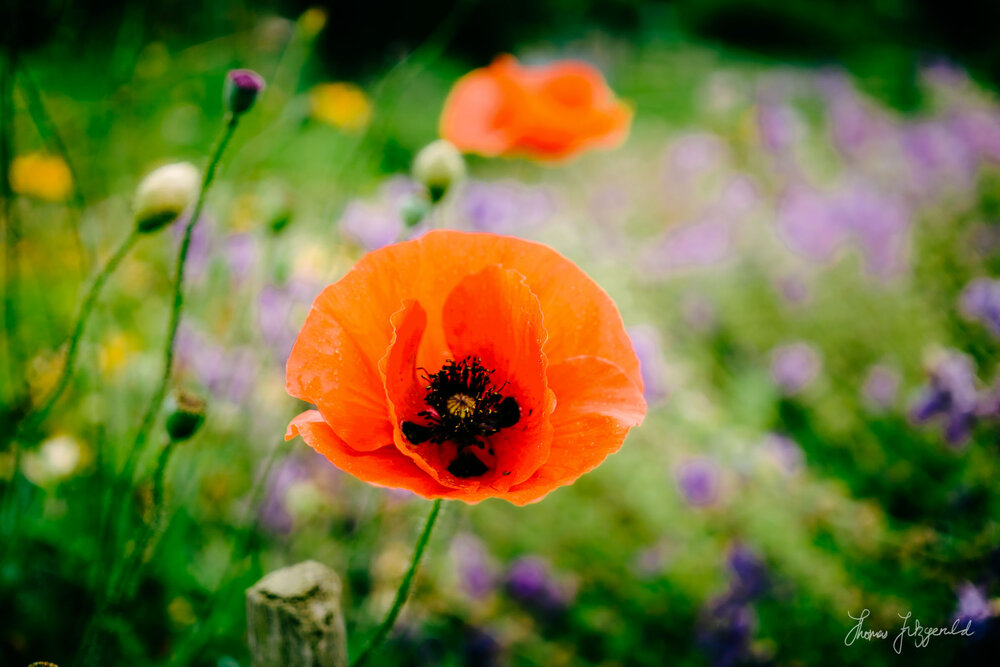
<point>178,300</point>
<point>86,309</point>
<point>47,129</point>
<point>404,589</point>
<point>122,579</point>
<point>12,233</point>
<point>115,584</point>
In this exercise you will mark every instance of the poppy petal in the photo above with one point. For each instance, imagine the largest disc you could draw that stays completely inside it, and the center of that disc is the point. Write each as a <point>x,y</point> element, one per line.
<point>580,317</point>
<point>406,395</point>
<point>476,114</point>
<point>596,404</point>
<point>549,113</point>
<point>493,315</point>
<point>327,368</point>
<point>383,467</point>
<point>571,110</point>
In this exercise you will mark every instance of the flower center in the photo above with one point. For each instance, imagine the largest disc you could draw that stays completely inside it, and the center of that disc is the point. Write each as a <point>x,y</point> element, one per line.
<point>463,407</point>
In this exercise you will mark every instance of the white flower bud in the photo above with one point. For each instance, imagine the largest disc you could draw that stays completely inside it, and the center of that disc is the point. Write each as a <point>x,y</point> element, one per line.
<point>439,165</point>
<point>164,194</point>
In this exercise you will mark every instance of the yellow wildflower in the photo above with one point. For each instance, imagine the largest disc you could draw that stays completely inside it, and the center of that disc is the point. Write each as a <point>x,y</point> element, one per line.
<point>43,176</point>
<point>114,351</point>
<point>312,21</point>
<point>342,105</point>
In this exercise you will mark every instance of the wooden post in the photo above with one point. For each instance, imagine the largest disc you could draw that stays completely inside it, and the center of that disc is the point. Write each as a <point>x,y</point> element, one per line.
<point>294,618</point>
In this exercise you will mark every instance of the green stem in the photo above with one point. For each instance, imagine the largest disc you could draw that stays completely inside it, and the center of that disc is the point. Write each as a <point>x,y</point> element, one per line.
<point>404,589</point>
<point>178,301</point>
<point>47,129</point>
<point>119,585</point>
<point>50,134</point>
<point>11,228</point>
<point>150,536</point>
<point>122,580</point>
<point>86,309</point>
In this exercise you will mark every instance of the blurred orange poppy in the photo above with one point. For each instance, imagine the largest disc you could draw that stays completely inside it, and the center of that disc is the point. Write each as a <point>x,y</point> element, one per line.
<point>465,366</point>
<point>548,112</point>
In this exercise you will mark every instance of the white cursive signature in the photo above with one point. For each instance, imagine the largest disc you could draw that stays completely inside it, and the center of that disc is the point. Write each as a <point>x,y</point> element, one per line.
<point>921,635</point>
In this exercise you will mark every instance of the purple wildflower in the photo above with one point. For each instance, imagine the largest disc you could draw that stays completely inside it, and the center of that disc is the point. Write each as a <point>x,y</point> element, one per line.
<point>201,246</point>
<point>988,404</point>
<point>785,452</point>
<point>750,578</point>
<point>880,387</point>
<point>879,221</point>
<point>794,367</point>
<point>698,481</point>
<point>530,582</point>
<point>704,243</point>
<point>739,197</point>
<point>728,621</point>
<point>793,289</point>
<point>646,340</point>
<point>505,207</point>
<point>477,573</point>
<point>378,222</point>
<point>649,562</point>
<point>274,514</point>
<point>692,155</point>
<point>940,154</point>
<point>807,222</point>
<point>227,372</point>
<point>779,125</point>
<point>304,469</point>
<point>945,74</point>
<point>980,301</point>
<point>817,225</point>
<point>853,124</point>
<point>980,130</point>
<point>275,309</point>
<point>972,604</point>
<point>241,255</point>
<point>698,313</point>
<point>951,395</point>
<point>725,631</point>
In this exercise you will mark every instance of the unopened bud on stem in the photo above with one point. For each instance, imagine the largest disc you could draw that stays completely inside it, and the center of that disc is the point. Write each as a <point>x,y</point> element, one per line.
<point>241,90</point>
<point>164,194</point>
<point>187,413</point>
<point>439,166</point>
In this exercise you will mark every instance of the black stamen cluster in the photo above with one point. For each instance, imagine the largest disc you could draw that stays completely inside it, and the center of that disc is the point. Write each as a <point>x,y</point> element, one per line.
<point>463,407</point>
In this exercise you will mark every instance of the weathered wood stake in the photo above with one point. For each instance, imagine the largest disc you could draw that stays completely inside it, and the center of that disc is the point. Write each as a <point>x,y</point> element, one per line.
<point>294,618</point>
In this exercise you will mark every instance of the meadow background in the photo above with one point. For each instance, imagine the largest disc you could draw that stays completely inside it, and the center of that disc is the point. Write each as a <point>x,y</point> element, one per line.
<point>802,233</point>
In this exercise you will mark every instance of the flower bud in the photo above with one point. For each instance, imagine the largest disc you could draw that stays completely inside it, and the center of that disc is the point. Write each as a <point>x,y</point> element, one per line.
<point>439,165</point>
<point>415,210</point>
<point>241,90</point>
<point>164,194</point>
<point>187,413</point>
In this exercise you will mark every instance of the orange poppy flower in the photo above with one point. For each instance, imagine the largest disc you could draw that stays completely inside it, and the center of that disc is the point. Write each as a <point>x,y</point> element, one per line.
<point>465,366</point>
<point>549,112</point>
